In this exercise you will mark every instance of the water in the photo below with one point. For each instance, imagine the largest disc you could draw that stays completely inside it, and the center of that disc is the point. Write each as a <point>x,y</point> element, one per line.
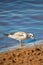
<point>20,15</point>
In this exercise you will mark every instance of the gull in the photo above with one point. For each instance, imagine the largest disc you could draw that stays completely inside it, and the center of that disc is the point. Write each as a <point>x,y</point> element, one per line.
<point>20,36</point>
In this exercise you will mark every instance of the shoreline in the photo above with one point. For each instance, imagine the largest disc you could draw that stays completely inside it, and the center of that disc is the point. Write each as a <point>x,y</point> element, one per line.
<point>18,46</point>
<point>29,55</point>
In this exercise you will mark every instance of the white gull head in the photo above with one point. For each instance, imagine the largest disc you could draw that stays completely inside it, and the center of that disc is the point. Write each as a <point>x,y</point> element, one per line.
<point>30,35</point>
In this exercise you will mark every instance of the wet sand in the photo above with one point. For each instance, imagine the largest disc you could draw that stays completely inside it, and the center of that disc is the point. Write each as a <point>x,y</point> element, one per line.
<point>23,56</point>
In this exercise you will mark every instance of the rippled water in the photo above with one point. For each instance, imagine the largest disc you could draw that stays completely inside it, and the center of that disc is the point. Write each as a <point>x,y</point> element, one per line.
<point>20,15</point>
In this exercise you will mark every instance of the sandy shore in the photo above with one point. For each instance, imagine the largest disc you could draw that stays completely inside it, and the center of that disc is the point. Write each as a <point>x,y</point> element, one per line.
<point>23,56</point>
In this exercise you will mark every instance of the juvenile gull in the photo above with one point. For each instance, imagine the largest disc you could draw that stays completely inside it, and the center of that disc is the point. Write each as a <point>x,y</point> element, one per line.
<point>21,36</point>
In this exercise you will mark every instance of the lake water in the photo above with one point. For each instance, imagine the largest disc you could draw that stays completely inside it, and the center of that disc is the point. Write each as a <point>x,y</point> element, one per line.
<point>20,15</point>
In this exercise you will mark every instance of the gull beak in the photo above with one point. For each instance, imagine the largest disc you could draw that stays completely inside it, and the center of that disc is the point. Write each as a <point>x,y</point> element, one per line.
<point>6,34</point>
<point>32,37</point>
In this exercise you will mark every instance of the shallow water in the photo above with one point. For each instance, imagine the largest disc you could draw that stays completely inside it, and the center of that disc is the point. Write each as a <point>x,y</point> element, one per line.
<point>20,15</point>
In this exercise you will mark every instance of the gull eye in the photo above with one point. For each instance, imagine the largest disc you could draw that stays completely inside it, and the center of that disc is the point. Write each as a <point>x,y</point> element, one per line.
<point>32,36</point>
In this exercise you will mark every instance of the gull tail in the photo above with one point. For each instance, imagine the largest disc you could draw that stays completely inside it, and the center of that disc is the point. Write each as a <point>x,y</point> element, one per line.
<point>6,34</point>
